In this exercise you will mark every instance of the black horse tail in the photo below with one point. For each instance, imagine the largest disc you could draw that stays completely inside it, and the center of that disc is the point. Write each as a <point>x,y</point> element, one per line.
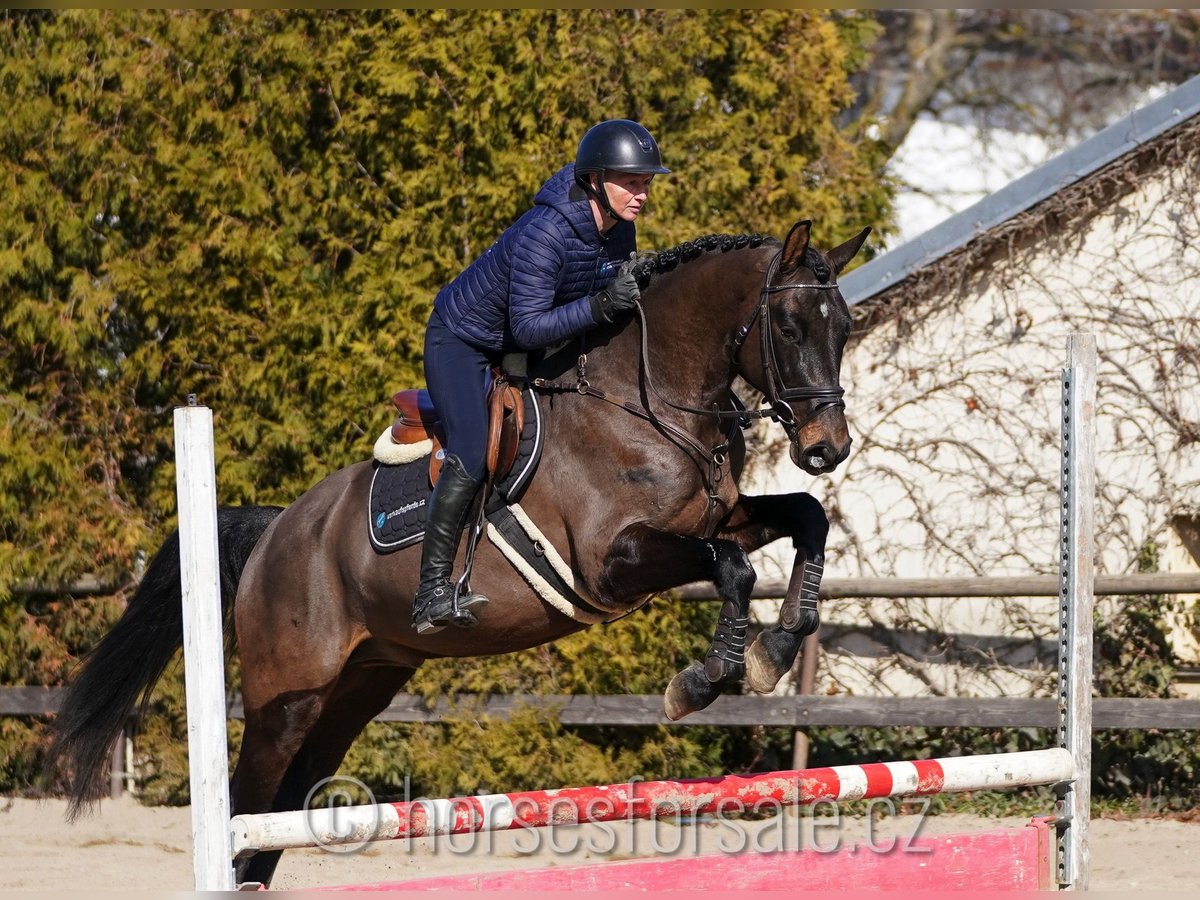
<point>131,658</point>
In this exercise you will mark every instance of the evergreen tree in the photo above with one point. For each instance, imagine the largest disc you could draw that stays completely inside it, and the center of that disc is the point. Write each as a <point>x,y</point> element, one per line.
<point>259,206</point>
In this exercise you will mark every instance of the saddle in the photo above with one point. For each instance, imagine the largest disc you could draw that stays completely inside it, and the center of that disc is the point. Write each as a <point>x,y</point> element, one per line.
<point>417,420</point>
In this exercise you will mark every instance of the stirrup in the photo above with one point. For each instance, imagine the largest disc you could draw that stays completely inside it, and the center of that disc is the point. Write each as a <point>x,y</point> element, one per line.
<point>443,609</point>
<point>466,601</point>
<point>464,597</point>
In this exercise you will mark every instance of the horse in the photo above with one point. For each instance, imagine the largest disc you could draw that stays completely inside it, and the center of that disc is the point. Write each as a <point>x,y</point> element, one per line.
<point>636,487</point>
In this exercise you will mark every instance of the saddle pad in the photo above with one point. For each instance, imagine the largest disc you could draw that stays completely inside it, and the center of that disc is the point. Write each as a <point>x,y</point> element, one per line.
<point>399,500</point>
<point>399,496</point>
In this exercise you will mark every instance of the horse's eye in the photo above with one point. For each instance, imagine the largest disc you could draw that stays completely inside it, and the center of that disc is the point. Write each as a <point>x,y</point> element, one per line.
<point>788,333</point>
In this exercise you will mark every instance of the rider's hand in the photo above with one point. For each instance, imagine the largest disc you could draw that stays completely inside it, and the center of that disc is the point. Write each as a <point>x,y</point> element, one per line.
<point>620,296</point>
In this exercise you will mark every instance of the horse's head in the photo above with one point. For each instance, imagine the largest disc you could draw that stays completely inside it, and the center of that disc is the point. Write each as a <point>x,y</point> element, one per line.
<point>803,324</point>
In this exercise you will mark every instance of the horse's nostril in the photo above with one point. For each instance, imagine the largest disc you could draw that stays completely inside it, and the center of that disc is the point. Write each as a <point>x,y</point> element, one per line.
<point>818,456</point>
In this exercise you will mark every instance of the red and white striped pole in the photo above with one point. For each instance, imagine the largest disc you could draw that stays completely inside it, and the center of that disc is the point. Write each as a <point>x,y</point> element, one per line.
<point>646,800</point>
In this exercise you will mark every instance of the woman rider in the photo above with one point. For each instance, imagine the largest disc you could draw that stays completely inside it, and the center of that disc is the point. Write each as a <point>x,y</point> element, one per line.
<point>561,269</point>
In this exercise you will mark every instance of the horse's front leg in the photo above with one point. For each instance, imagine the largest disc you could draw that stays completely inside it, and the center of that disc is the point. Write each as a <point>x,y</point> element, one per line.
<point>644,560</point>
<point>755,522</point>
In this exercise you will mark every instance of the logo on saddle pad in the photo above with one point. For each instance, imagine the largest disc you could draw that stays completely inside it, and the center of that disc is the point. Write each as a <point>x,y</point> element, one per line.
<point>383,518</point>
<point>400,492</point>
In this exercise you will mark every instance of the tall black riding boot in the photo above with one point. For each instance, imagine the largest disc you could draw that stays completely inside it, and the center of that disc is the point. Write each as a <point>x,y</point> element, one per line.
<point>435,605</point>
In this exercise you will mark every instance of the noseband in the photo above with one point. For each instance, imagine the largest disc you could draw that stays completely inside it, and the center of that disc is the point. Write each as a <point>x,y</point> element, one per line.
<point>777,394</point>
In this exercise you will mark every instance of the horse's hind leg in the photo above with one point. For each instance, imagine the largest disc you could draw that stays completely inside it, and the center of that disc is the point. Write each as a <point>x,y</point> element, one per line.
<point>273,735</point>
<point>292,657</point>
<point>755,522</point>
<point>361,693</point>
<point>644,560</point>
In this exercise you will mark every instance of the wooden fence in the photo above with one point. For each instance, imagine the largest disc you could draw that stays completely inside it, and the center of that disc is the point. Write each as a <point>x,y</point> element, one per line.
<point>803,709</point>
<point>797,711</point>
<point>794,711</point>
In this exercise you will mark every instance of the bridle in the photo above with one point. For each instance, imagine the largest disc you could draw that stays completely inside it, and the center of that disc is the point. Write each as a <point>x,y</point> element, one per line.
<point>777,394</point>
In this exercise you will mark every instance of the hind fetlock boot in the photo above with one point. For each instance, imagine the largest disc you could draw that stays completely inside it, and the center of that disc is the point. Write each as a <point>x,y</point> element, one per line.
<point>436,605</point>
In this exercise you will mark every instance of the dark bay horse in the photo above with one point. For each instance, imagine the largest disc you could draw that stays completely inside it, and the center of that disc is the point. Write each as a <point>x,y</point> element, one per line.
<point>638,498</point>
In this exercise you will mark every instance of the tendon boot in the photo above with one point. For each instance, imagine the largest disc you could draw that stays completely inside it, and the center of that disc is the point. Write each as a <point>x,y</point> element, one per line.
<point>436,604</point>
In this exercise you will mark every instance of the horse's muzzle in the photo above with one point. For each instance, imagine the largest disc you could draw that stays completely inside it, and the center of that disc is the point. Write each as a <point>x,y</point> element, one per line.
<point>821,457</point>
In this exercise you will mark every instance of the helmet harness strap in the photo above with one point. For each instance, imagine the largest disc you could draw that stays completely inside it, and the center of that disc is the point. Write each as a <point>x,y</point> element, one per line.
<point>601,195</point>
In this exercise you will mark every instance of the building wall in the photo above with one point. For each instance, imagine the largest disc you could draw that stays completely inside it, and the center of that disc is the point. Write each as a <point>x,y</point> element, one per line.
<point>954,403</point>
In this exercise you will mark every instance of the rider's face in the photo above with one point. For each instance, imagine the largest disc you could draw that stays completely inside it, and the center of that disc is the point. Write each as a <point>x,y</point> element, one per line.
<point>627,192</point>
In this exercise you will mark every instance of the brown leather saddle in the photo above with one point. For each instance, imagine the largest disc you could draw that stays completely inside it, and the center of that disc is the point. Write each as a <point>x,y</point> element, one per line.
<point>417,420</point>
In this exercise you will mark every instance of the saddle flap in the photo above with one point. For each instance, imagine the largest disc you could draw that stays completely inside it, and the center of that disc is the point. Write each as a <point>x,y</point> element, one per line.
<point>506,420</point>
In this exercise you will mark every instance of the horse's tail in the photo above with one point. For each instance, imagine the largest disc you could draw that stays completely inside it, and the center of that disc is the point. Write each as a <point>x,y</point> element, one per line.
<point>131,658</point>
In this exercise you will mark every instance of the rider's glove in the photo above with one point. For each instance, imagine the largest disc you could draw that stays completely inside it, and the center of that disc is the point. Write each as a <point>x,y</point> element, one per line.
<point>620,295</point>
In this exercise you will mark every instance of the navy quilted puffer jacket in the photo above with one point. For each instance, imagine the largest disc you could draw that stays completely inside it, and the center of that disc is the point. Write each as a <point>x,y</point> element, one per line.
<point>529,290</point>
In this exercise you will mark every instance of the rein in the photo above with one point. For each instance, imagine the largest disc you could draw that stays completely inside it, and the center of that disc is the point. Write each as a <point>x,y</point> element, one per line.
<point>714,456</point>
<point>778,395</point>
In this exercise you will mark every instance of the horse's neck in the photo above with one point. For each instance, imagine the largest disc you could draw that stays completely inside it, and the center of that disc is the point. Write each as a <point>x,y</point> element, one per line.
<point>691,315</point>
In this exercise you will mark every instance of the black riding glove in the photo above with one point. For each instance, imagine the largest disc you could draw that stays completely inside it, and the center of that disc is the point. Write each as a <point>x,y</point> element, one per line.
<point>620,296</point>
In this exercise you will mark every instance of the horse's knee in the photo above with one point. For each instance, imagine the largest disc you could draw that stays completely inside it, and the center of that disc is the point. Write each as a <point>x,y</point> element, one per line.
<point>733,574</point>
<point>812,522</point>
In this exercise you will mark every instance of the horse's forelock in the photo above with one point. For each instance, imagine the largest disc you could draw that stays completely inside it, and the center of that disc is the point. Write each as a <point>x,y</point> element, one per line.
<point>820,267</point>
<point>668,260</point>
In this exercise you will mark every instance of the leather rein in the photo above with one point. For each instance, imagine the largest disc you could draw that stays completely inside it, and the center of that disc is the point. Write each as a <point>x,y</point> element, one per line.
<point>778,395</point>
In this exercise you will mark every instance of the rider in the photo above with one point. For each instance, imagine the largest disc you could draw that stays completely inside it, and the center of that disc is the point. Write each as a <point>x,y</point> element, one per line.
<point>561,269</point>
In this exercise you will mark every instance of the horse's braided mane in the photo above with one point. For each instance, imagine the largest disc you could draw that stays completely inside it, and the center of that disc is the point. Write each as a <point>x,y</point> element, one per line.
<point>666,260</point>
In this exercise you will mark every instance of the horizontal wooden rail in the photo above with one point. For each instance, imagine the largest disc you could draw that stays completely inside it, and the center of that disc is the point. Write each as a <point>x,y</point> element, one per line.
<point>992,586</point>
<point>802,711</point>
<point>794,711</point>
<point>85,586</point>
<point>30,701</point>
<point>772,588</point>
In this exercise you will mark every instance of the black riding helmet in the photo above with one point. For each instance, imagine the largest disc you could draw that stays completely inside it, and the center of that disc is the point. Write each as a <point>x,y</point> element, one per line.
<point>617,145</point>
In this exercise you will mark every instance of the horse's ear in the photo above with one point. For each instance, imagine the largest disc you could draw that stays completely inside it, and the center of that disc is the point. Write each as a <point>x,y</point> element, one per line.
<point>795,246</point>
<point>839,256</point>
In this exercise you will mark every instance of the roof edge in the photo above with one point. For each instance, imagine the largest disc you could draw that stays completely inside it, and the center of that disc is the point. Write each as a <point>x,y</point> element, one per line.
<point>1138,128</point>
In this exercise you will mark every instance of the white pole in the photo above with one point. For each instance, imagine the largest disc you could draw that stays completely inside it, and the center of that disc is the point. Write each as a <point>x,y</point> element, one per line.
<point>356,825</point>
<point>1077,581</point>
<point>203,648</point>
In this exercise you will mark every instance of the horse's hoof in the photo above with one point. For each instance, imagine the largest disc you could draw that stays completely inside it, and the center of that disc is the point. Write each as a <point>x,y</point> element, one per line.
<point>769,658</point>
<point>688,692</point>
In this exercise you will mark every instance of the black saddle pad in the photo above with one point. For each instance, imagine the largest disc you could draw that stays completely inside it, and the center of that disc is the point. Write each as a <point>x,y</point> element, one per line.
<point>400,494</point>
<point>399,498</point>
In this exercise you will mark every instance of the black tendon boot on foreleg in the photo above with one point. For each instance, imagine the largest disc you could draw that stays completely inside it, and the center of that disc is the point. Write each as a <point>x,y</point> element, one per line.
<point>436,605</point>
<point>773,652</point>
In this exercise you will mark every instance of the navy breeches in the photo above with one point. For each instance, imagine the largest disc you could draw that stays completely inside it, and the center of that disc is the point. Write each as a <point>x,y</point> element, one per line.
<point>458,376</point>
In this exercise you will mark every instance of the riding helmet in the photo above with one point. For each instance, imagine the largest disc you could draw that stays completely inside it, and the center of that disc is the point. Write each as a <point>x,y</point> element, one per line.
<point>618,145</point>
